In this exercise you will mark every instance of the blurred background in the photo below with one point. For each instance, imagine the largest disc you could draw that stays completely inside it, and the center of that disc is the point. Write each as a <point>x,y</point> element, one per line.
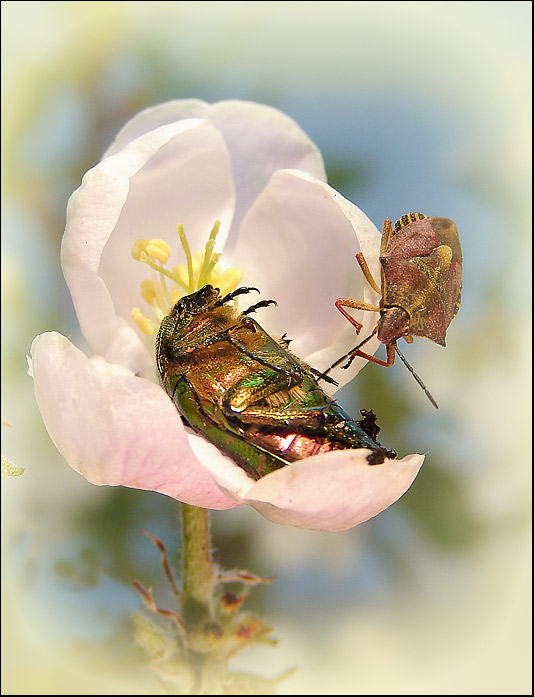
<point>415,106</point>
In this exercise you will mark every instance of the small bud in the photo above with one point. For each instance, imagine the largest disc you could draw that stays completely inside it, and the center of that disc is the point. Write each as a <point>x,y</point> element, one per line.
<point>231,602</point>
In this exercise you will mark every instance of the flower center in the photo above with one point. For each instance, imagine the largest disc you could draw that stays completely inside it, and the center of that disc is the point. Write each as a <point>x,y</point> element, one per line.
<point>166,287</point>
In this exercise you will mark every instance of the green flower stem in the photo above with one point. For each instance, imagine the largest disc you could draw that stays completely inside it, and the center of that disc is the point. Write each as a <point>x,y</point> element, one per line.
<point>198,570</point>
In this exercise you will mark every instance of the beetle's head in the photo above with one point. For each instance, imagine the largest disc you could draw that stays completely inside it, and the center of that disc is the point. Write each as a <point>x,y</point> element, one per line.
<point>182,322</point>
<point>199,301</point>
<point>189,307</point>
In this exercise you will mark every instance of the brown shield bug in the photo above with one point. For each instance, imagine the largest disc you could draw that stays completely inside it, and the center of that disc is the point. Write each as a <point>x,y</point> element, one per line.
<point>421,286</point>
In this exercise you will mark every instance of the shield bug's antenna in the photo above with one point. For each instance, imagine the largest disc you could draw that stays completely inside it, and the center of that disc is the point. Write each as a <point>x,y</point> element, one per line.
<point>417,378</point>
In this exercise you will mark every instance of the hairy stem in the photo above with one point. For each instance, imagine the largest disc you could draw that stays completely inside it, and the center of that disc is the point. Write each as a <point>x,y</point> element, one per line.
<point>198,571</point>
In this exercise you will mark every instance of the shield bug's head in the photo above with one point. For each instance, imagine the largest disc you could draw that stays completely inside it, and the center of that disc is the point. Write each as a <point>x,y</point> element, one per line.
<point>394,323</point>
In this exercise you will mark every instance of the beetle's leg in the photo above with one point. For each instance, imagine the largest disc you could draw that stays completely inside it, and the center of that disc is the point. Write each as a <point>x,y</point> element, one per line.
<point>348,355</point>
<point>262,303</point>
<point>367,273</point>
<point>253,388</point>
<point>224,335</point>
<point>355,305</point>
<point>387,231</point>
<point>322,376</point>
<point>312,417</point>
<point>234,294</point>
<point>240,403</point>
<point>282,371</point>
<point>328,421</point>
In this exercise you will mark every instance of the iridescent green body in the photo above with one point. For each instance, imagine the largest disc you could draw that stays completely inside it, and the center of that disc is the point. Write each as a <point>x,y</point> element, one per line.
<point>245,392</point>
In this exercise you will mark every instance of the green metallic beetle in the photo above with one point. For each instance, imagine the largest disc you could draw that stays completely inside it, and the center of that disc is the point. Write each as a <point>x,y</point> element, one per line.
<point>246,392</point>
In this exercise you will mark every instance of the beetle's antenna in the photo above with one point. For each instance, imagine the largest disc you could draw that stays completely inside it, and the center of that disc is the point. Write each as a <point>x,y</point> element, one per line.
<point>417,378</point>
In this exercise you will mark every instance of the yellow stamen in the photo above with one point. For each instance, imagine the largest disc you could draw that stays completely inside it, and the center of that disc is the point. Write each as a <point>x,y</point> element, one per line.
<point>148,291</point>
<point>159,294</point>
<point>229,280</point>
<point>185,246</point>
<point>144,324</point>
<point>138,248</point>
<point>158,249</point>
<point>197,260</point>
<point>200,269</point>
<point>180,270</point>
<point>210,259</point>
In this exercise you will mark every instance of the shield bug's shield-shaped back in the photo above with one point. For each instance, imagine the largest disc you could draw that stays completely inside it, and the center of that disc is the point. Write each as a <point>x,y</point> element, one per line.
<point>421,286</point>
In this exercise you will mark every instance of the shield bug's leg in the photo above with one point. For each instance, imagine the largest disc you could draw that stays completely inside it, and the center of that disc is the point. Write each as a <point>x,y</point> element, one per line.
<point>390,353</point>
<point>348,355</point>
<point>387,231</point>
<point>262,303</point>
<point>355,305</point>
<point>367,273</point>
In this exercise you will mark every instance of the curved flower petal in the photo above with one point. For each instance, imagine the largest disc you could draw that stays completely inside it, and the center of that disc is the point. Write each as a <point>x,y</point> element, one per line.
<point>302,236</point>
<point>260,140</point>
<point>92,412</point>
<point>334,491</point>
<point>153,117</point>
<point>179,173</point>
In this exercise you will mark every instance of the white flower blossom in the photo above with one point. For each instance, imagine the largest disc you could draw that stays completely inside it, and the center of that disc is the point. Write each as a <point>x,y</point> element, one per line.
<point>250,171</point>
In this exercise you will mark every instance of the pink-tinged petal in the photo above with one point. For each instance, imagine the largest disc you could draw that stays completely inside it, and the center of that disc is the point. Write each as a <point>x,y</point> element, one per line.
<point>330,492</point>
<point>260,140</point>
<point>155,116</point>
<point>115,428</point>
<point>298,244</point>
<point>230,477</point>
<point>179,173</point>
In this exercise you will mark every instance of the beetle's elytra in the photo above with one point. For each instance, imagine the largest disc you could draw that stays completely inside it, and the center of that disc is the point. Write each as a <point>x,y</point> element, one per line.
<point>245,392</point>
